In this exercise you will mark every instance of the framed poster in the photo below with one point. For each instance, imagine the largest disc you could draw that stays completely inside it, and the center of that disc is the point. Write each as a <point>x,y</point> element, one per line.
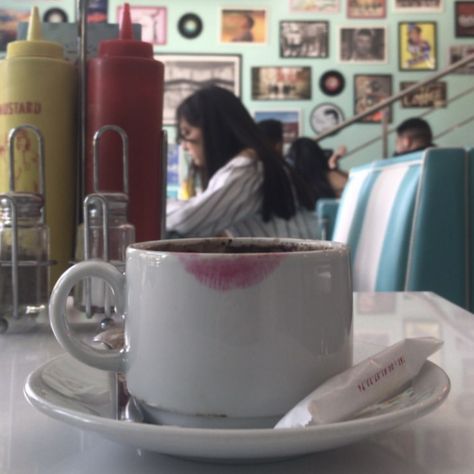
<point>325,116</point>
<point>458,52</point>
<point>9,19</point>
<point>291,120</point>
<point>369,90</point>
<point>186,73</point>
<point>152,21</point>
<point>418,6</point>
<point>304,39</point>
<point>464,19</point>
<point>417,46</point>
<point>281,83</point>
<point>243,26</point>
<point>314,6</point>
<point>430,95</point>
<point>366,8</point>
<point>97,11</point>
<point>364,44</point>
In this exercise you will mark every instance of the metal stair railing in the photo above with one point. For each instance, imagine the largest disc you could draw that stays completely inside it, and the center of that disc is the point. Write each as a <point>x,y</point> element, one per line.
<point>386,103</point>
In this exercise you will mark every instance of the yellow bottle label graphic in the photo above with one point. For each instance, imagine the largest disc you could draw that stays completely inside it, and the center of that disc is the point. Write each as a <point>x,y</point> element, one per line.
<point>38,87</point>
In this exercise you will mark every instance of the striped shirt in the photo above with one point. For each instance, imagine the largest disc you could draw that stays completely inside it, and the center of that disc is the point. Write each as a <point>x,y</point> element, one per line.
<point>232,202</point>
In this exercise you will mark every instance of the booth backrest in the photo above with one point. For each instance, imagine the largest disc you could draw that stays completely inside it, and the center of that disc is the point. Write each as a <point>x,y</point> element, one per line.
<point>406,220</point>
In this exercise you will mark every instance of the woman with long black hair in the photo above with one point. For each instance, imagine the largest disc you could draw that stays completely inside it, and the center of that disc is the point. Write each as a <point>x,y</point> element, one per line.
<point>247,189</point>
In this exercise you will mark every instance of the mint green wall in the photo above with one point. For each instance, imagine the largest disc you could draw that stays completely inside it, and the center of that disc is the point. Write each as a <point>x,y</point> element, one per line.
<point>260,55</point>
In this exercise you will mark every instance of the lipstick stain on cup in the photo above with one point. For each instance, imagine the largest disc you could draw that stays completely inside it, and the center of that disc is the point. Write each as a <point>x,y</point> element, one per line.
<point>230,273</point>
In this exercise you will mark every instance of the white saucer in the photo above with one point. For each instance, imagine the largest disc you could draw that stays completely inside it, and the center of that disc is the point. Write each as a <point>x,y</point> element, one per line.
<point>72,392</point>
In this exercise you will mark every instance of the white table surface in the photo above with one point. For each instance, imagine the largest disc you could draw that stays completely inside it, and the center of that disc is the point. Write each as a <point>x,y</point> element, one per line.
<point>441,442</point>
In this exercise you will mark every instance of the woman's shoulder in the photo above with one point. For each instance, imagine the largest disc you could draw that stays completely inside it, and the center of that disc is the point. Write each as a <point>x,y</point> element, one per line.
<point>245,159</point>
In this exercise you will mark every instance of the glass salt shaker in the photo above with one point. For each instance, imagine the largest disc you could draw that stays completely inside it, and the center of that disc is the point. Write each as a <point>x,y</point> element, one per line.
<point>105,234</point>
<point>24,248</point>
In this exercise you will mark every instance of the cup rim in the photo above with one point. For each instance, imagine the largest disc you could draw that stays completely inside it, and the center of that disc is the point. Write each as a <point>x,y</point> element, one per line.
<point>323,246</point>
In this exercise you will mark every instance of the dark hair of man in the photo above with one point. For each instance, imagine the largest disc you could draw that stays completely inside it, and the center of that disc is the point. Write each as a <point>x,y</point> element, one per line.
<point>416,128</point>
<point>310,161</point>
<point>227,129</point>
<point>272,130</point>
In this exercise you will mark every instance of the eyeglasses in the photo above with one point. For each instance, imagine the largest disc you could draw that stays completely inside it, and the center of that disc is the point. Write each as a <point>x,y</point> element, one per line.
<point>192,141</point>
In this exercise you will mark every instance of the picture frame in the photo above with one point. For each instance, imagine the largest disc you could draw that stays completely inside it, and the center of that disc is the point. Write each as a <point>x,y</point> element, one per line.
<point>325,116</point>
<point>464,19</point>
<point>366,9</point>
<point>290,118</point>
<point>428,96</point>
<point>417,46</point>
<point>363,44</point>
<point>304,39</point>
<point>418,6</point>
<point>186,73</point>
<point>281,83</point>
<point>369,90</point>
<point>11,17</point>
<point>243,25</point>
<point>459,51</point>
<point>314,6</point>
<point>153,21</point>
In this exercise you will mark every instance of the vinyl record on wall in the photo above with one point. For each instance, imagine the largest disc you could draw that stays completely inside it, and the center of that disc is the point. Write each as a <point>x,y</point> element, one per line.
<point>55,15</point>
<point>190,25</point>
<point>332,82</point>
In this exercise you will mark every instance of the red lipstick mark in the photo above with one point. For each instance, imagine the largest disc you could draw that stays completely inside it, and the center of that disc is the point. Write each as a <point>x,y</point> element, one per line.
<point>230,273</point>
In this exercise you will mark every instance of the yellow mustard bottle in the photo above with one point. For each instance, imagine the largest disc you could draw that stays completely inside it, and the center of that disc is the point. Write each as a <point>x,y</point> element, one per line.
<point>38,87</point>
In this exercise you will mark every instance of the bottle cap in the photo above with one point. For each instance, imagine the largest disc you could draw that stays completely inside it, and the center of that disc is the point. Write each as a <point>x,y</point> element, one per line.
<point>125,45</point>
<point>34,45</point>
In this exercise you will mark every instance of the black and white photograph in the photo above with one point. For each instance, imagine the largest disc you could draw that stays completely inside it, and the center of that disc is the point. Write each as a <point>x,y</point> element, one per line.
<point>304,39</point>
<point>414,6</point>
<point>281,83</point>
<point>186,73</point>
<point>369,90</point>
<point>429,95</point>
<point>325,116</point>
<point>458,52</point>
<point>365,44</point>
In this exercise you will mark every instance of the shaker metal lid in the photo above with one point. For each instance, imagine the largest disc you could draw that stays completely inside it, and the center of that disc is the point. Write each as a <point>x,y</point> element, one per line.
<point>26,204</point>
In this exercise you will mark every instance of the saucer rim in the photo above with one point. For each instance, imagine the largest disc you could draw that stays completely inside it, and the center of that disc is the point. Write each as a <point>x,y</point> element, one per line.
<point>297,440</point>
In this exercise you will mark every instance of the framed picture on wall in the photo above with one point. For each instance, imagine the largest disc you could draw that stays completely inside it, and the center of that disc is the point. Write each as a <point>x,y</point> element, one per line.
<point>364,44</point>
<point>369,90</point>
<point>325,116</point>
<point>366,8</point>
<point>458,52</point>
<point>430,95</point>
<point>291,120</point>
<point>315,6</point>
<point>243,26</point>
<point>281,83</point>
<point>186,73</point>
<point>10,17</point>
<point>417,47</point>
<point>304,39</point>
<point>152,21</point>
<point>464,19</point>
<point>422,6</point>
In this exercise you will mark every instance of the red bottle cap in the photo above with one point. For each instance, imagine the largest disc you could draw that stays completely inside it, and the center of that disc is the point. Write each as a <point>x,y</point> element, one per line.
<point>125,45</point>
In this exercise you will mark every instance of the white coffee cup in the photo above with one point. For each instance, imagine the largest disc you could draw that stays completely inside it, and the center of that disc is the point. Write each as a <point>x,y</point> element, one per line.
<point>222,332</point>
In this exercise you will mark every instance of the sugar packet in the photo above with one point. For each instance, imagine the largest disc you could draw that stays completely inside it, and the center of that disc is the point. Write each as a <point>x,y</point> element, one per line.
<point>373,380</point>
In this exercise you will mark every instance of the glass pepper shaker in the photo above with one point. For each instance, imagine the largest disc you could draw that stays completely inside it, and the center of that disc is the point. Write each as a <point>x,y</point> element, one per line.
<point>24,247</point>
<point>105,234</point>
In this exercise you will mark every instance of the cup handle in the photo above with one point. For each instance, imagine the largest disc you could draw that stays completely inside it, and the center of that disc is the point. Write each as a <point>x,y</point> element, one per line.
<point>100,359</point>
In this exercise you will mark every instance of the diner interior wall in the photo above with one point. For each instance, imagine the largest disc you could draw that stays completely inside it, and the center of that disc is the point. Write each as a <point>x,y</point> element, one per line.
<point>268,55</point>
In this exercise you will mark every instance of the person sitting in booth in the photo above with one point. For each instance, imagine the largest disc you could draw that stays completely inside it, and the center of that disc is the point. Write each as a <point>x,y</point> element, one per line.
<point>248,191</point>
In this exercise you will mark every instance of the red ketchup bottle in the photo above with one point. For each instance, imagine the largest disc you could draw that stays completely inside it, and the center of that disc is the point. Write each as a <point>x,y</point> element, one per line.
<point>125,88</point>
